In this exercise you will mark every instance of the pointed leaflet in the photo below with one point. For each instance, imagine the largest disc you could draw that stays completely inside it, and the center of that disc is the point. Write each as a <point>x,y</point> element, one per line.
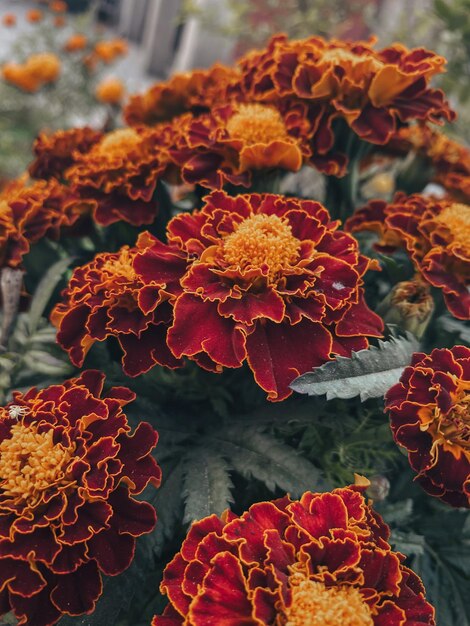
<point>45,290</point>
<point>368,373</point>
<point>207,484</point>
<point>260,455</point>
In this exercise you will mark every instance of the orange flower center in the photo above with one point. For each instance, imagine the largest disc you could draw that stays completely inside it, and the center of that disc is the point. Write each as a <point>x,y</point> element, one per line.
<point>262,241</point>
<point>122,266</point>
<point>257,123</point>
<point>454,427</point>
<point>314,604</point>
<point>30,463</point>
<point>118,142</point>
<point>456,219</point>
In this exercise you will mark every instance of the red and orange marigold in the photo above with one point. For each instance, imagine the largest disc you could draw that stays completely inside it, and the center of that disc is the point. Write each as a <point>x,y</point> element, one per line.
<point>430,417</point>
<point>29,212</point>
<point>107,298</point>
<point>69,468</point>
<point>56,152</point>
<point>374,91</point>
<point>234,140</point>
<point>436,234</point>
<point>118,176</point>
<point>196,91</point>
<point>323,560</point>
<point>265,280</point>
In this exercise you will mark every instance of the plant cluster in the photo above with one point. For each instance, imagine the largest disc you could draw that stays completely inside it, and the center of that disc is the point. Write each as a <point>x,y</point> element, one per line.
<point>182,276</point>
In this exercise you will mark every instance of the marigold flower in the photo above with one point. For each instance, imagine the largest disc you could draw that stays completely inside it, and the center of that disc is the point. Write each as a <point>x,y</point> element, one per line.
<point>372,91</point>
<point>195,91</point>
<point>107,51</point>
<point>110,91</point>
<point>449,159</point>
<point>58,6</point>
<point>34,16</point>
<point>21,77</point>
<point>107,298</point>
<point>236,139</point>
<point>55,152</point>
<point>271,282</point>
<point>69,468</point>
<point>430,417</point>
<point>45,65</point>
<point>59,21</point>
<point>436,234</point>
<point>323,560</point>
<point>9,20</point>
<point>76,42</point>
<point>409,305</point>
<point>30,212</point>
<point>119,174</point>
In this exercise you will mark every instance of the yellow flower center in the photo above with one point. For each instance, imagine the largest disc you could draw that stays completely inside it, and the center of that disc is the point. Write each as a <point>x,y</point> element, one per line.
<point>262,240</point>
<point>30,463</point>
<point>454,428</point>
<point>119,142</point>
<point>257,123</point>
<point>121,267</point>
<point>456,218</point>
<point>314,604</point>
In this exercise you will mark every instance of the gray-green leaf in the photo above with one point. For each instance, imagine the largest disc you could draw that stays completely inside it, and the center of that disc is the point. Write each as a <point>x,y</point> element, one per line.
<point>368,373</point>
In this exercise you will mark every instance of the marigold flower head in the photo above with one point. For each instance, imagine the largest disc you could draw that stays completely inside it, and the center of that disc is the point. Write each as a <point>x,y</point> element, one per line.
<point>436,234</point>
<point>107,298</point>
<point>59,21</point>
<point>119,174</point>
<point>55,152</point>
<point>9,20</point>
<point>29,212</point>
<point>271,282</point>
<point>234,140</point>
<point>76,42</point>
<point>449,159</point>
<point>409,305</point>
<point>34,16</point>
<point>69,468</point>
<point>19,76</point>
<point>430,417</point>
<point>110,91</point>
<point>58,6</point>
<point>45,65</point>
<point>107,51</point>
<point>195,91</point>
<point>323,560</point>
<point>373,91</point>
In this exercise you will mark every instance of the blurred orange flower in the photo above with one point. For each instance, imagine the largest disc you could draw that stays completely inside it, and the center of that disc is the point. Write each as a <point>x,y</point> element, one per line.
<point>34,16</point>
<point>9,19</point>
<point>20,77</point>
<point>76,42</point>
<point>110,91</point>
<point>107,51</point>
<point>58,6</point>
<point>44,65</point>
<point>60,21</point>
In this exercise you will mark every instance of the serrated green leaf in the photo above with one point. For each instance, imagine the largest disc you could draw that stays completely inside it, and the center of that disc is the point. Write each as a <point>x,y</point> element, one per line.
<point>44,292</point>
<point>207,484</point>
<point>262,456</point>
<point>168,502</point>
<point>368,373</point>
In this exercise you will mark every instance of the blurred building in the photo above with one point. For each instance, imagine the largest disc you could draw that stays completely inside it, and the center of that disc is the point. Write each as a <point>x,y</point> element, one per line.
<point>168,44</point>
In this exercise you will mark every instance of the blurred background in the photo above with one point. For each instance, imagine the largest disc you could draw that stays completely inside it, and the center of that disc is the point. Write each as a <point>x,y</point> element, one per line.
<point>93,53</point>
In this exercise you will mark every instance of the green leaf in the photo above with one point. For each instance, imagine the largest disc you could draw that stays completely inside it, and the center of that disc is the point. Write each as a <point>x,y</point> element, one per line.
<point>44,292</point>
<point>452,325</point>
<point>262,456</point>
<point>168,504</point>
<point>207,485</point>
<point>368,373</point>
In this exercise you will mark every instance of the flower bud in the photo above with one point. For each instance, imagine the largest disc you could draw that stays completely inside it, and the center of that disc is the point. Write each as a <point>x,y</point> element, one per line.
<point>409,305</point>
